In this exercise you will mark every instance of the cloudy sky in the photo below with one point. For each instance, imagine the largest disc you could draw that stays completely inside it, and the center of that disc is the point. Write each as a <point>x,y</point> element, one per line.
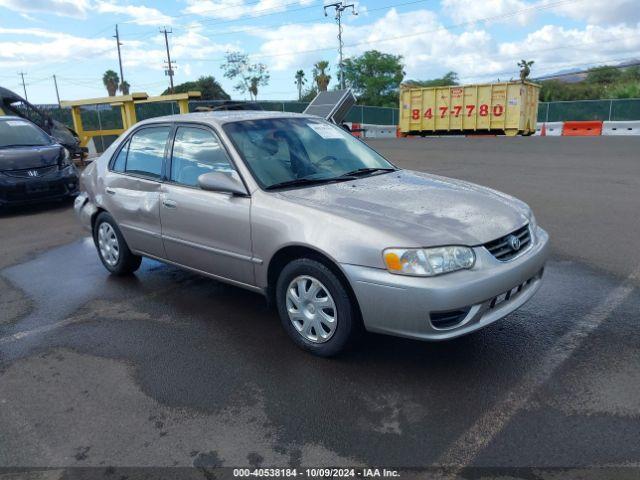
<point>480,40</point>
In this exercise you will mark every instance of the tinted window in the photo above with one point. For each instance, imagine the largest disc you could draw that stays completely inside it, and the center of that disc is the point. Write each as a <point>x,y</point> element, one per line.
<point>197,151</point>
<point>121,160</point>
<point>146,151</point>
<point>21,133</point>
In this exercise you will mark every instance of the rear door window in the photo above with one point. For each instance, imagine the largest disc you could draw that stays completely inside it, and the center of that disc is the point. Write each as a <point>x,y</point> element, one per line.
<point>120,161</point>
<point>146,151</point>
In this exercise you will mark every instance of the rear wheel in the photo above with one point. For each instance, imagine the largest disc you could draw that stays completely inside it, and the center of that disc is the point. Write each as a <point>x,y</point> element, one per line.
<point>315,308</point>
<point>112,248</point>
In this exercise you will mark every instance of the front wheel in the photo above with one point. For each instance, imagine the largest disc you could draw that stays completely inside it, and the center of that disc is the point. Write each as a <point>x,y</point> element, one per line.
<point>315,308</point>
<point>112,248</point>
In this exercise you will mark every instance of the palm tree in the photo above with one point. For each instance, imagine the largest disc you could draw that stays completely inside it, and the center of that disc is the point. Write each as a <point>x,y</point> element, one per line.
<point>124,87</point>
<point>253,88</point>
<point>111,81</point>
<point>525,69</point>
<point>320,75</point>
<point>300,81</point>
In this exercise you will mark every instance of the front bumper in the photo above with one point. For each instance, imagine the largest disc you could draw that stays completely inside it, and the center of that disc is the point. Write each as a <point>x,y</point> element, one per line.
<point>403,306</point>
<point>20,191</point>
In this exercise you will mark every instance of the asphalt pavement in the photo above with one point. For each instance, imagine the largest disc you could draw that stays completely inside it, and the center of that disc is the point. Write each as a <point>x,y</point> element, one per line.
<point>167,368</point>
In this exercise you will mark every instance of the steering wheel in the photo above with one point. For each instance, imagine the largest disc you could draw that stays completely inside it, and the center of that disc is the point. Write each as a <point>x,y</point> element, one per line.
<point>326,159</point>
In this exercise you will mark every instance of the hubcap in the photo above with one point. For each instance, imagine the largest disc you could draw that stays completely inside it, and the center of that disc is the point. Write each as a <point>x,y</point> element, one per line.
<point>311,309</point>
<point>108,244</point>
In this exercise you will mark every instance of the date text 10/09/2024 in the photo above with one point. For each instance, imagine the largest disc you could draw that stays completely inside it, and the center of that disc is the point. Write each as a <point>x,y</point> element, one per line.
<point>316,472</point>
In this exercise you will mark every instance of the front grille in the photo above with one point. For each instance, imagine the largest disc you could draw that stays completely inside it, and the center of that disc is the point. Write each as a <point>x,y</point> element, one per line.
<point>514,292</point>
<point>502,249</point>
<point>32,172</point>
<point>32,191</point>
<point>450,319</point>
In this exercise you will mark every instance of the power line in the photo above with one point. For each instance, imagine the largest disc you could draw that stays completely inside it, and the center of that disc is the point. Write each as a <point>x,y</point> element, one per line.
<point>507,15</point>
<point>409,35</point>
<point>228,32</point>
<point>272,26</point>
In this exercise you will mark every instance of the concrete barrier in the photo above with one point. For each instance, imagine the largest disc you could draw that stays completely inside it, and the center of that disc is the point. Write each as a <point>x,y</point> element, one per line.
<point>551,129</point>
<point>591,128</point>
<point>379,131</point>
<point>621,128</point>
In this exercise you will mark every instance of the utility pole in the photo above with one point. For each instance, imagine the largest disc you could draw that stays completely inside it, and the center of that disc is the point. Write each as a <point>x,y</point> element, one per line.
<point>170,65</point>
<point>118,43</point>
<point>55,82</point>
<point>24,87</point>
<point>340,7</point>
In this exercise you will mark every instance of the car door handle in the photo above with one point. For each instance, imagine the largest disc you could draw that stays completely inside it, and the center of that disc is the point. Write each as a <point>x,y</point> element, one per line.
<point>169,203</point>
<point>110,191</point>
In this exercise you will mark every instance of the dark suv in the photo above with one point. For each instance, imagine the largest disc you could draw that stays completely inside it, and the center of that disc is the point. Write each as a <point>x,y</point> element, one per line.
<point>33,167</point>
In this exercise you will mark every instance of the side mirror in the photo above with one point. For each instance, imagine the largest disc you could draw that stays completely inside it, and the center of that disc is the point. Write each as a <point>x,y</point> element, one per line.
<point>221,182</point>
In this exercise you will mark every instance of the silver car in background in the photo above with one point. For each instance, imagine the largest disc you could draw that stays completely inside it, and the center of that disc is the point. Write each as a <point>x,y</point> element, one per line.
<point>299,210</point>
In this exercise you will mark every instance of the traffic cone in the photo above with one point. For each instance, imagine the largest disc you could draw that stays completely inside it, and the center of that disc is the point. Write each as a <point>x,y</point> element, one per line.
<point>543,131</point>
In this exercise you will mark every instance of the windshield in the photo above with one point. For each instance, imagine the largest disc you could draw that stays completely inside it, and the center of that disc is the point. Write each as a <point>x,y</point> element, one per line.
<point>302,151</point>
<point>21,133</point>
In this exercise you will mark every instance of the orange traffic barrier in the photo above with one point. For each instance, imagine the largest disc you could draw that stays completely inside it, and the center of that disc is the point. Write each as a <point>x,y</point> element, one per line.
<point>582,129</point>
<point>356,130</point>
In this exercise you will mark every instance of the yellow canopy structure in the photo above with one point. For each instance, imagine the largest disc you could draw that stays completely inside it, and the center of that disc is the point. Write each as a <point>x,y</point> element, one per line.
<point>127,105</point>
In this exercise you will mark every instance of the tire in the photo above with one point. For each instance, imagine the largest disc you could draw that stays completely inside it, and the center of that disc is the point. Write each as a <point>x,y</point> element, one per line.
<point>116,257</point>
<point>307,324</point>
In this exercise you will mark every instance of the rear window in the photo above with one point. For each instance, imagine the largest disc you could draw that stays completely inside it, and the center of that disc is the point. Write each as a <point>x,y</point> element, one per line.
<point>21,133</point>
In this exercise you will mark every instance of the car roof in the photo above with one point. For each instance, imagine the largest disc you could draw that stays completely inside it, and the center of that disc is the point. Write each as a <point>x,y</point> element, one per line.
<point>226,116</point>
<point>13,117</point>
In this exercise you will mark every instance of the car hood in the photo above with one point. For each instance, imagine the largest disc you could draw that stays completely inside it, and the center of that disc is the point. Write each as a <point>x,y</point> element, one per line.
<point>19,158</point>
<point>423,209</point>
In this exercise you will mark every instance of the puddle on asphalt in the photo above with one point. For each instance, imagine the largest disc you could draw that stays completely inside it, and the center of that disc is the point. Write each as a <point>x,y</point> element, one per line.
<point>63,279</point>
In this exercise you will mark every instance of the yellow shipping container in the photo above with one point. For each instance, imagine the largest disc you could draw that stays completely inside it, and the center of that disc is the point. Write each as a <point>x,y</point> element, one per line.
<point>510,108</point>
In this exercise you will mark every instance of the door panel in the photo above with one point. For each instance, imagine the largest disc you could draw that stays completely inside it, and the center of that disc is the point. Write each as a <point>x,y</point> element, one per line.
<point>135,205</point>
<point>132,189</point>
<point>208,231</point>
<point>205,230</point>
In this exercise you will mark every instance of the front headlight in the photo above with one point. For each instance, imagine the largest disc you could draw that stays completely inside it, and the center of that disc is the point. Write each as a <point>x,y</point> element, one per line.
<point>65,161</point>
<point>427,262</point>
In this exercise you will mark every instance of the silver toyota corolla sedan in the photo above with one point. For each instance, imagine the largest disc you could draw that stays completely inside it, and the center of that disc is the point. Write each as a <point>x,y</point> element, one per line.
<point>301,211</point>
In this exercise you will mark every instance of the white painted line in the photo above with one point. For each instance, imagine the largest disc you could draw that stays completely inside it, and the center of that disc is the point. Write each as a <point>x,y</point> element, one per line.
<point>43,329</point>
<point>471,443</point>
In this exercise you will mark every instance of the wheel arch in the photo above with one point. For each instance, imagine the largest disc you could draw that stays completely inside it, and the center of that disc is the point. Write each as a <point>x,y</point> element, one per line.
<point>94,217</point>
<point>293,252</point>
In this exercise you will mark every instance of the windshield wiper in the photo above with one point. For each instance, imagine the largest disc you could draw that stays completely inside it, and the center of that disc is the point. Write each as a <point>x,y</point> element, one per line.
<point>365,170</point>
<point>307,181</point>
